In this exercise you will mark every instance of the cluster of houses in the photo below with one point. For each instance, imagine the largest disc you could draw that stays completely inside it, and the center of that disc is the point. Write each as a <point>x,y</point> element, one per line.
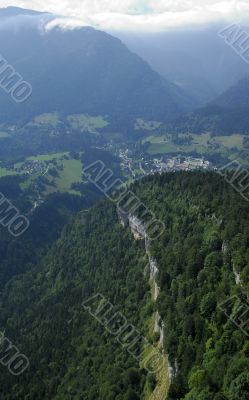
<point>30,167</point>
<point>178,164</point>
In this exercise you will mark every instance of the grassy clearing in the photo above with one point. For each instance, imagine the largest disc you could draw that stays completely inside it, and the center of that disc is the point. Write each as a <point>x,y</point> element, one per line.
<point>159,365</point>
<point>6,172</point>
<point>147,125</point>
<point>47,119</point>
<point>163,145</point>
<point>156,140</point>
<point>163,148</point>
<point>48,157</point>
<point>232,141</point>
<point>163,382</point>
<point>44,157</point>
<point>86,122</point>
<point>162,375</point>
<point>4,135</point>
<point>72,173</point>
<point>69,170</point>
<point>202,144</point>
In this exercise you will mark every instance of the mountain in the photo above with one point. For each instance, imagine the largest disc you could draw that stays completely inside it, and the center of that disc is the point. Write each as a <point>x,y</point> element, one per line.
<point>81,360</point>
<point>46,223</point>
<point>16,11</point>
<point>60,313</point>
<point>82,71</point>
<point>226,115</point>
<point>236,96</point>
<point>197,59</point>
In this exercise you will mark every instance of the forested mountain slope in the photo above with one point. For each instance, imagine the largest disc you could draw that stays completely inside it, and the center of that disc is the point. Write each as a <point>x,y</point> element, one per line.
<point>210,66</point>
<point>82,71</point>
<point>71,355</point>
<point>203,261</point>
<point>19,254</point>
<point>227,114</point>
<point>200,255</point>
<point>237,96</point>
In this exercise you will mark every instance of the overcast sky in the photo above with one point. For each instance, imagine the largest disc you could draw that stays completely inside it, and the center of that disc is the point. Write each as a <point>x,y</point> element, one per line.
<point>141,15</point>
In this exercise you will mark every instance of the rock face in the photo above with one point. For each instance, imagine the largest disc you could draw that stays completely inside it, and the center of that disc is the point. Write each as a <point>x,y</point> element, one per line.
<point>156,291</point>
<point>173,370</point>
<point>152,269</point>
<point>157,322</point>
<point>237,276</point>
<point>123,217</point>
<point>137,227</point>
<point>161,334</point>
<point>224,248</point>
<point>139,232</point>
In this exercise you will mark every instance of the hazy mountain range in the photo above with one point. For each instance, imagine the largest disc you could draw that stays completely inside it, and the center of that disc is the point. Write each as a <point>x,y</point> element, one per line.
<point>89,71</point>
<point>142,295</point>
<point>82,71</point>
<point>198,59</point>
<point>225,115</point>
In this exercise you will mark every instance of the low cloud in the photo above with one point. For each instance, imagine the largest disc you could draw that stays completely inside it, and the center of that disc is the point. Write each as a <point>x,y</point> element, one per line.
<point>22,21</point>
<point>139,15</point>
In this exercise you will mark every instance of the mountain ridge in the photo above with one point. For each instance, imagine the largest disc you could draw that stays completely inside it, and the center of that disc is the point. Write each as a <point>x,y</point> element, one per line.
<point>85,71</point>
<point>226,115</point>
<point>72,354</point>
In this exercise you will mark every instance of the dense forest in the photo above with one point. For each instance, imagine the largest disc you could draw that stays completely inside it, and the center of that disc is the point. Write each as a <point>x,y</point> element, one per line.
<point>203,262</point>
<point>71,355</point>
<point>46,223</point>
<point>213,119</point>
<point>203,259</point>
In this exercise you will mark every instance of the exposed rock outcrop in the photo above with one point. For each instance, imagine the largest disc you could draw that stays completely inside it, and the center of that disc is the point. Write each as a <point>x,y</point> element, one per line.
<point>138,230</point>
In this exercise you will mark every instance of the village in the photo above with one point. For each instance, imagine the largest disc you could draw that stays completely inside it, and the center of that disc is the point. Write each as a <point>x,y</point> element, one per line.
<point>179,163</point>
<point>30,167</point>
<point>146,166</point>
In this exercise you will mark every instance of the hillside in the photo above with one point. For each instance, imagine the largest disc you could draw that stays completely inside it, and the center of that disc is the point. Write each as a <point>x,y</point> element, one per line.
<point>82,71</point>
<point>198,59</point>
<point>200,255</point>
<point>71,354</point>
<point>8,12</point>
<point>237,96</point>
<point>226,115</point>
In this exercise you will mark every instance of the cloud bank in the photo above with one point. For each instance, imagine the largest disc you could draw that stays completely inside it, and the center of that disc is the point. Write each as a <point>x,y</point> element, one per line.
<point>139,15</point>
